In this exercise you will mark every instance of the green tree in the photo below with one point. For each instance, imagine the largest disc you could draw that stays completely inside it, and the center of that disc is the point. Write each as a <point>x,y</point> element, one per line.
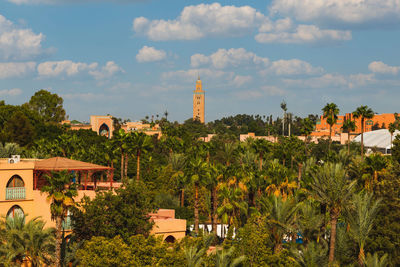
<point>225,258</point>
<point>330,111</point>
<point>124,212</point>
<point>331,188</point>
<point>141,143</point>
<point>361,217</point>
<point>363,112</point>
<point>392,128</point>
<point>312,255</point>
<point>281,217</point>
<point>198,172</point>
<point>49,106</point>
<point>18,129</point>
<point>101,251</point>
<point>375,261</point>
<point>25,242</point>
<point>348,127</point>
<point>61,192</point>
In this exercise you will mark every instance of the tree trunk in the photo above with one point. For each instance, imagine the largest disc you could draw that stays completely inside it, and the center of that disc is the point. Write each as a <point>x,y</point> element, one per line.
<point>214,204</point>
<point>361,256</point>
<point>138,166</point>
<point>122,166</point>
<point>330,138</point>
<point>332,242</point>
<point>348,143</point>
<point>58,240</point>
<point>299,175</point>
<point>196,209</point>
<point>126,165</point>
<point>182,197</point>
<point>261,161</point>
<point>362,138</point>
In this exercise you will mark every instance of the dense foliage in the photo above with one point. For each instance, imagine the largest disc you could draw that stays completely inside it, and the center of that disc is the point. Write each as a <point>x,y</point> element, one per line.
<point>284,203</point>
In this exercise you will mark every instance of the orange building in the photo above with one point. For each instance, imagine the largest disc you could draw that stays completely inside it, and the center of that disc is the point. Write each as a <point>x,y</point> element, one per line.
<point>22,179</point>
<point>380,120</point>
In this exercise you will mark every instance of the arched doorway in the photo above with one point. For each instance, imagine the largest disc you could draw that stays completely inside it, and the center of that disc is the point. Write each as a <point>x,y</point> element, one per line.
<point>15,211</point>
<point>170,239</point>
<point>104,130</point>
<point>15,188</point>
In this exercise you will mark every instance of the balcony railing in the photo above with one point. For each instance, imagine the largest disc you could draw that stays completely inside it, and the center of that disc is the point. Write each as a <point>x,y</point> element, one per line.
<point>15,193</point>
<point>66,224</point>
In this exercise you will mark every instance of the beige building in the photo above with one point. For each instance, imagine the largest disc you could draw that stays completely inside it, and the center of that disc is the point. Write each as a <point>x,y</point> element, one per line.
<point>198,102</point>
<point>104,125</point>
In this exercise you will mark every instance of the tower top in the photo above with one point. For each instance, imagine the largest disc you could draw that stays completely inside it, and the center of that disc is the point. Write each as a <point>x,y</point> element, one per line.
<point>199,86</point>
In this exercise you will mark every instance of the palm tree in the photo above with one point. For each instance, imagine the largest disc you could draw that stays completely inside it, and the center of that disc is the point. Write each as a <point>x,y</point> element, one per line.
<point>119,140</point>
<point>225,258</point>
<point>363,112</point>
<point>312,255</point>
<point>61,192</point>
<point>331,188</point>
<point>284,108</point>
<point>261,146</point>
<point>232,203</point>
<point>198,172</point>
<point>375,261</point>
<point>26,242</point>
<point>141,143</point>
<point>195,252</point>
<point>330,113</point>
<point>166,114</point>
<point>348,127</point>
<point>392,129</point>
<point>361,217</point>
<point>281,217</point>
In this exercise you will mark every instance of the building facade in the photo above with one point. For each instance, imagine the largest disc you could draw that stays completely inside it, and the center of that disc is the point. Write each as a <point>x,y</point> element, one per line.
<point>104,125</point>
<point>21,181</point>
<point>379,120</point>
<point>199,102</point>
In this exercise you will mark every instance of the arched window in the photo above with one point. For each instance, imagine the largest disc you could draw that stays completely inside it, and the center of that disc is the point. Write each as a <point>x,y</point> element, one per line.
<point>15,211</point>
<point>170,239</point>
<point>15,188</point>
<point>104,130</point>
<point>15,181</point>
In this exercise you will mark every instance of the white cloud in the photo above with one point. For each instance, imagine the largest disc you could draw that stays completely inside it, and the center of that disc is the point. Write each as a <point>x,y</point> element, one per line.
<point>66,67</point>
<point>240,80</point>
<point>339,12</point>
<point>150,54</point>
<point>330,80</point>
<point>16,43</point>
<point>69,68</point>
<point>380,67</point>
<point>292,67</point>
<point>106,71</point>
<point>16,69</point>
<point>10,92</point>
<point>228,58</point>
<point>54,2</point>
<point>200,21</point>
<point>285,31</point>
<point>248,94</point>
<point>190,76</point>
<point>273,90</point>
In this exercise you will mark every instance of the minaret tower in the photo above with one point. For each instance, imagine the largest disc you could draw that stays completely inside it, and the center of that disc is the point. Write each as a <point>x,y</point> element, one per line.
<point>198,102</point>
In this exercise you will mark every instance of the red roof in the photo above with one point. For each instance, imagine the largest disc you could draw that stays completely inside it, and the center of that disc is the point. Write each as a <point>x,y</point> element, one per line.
<point>59,164</point>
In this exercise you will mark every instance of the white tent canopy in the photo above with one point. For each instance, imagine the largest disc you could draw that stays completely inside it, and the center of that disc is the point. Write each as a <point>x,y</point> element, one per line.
<point>379,139</point>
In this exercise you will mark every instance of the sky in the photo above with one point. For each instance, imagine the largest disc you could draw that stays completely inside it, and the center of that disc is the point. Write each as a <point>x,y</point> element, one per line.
<point>137,58</point>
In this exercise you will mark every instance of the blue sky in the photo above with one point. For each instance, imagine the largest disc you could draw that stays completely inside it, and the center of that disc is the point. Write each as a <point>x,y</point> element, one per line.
<point>135,58</point>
